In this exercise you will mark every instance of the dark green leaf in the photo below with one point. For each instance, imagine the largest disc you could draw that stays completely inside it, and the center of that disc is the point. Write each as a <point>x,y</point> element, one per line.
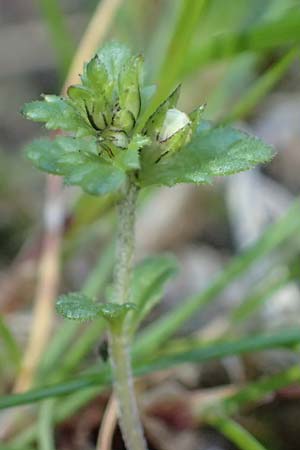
<point>78,161</point>
<point>57,113</point>
<point>213,151</point>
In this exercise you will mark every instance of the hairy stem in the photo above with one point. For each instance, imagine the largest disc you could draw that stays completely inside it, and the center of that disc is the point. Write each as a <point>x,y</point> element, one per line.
<point>124,391</point>
<point>119,342</point>
<point>125,242</point>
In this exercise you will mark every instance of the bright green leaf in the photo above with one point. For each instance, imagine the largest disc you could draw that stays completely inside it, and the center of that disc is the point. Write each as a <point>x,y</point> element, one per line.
<point>116,311</point>
<point>77,306</point>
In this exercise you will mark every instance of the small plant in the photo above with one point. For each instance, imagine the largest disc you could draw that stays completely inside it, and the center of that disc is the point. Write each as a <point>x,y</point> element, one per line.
<point>116,146</point>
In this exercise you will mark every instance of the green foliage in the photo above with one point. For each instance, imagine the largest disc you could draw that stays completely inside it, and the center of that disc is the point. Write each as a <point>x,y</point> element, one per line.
<point>147,288</point>
<point>111,143</point>
<point>277,234</point>
<point>262,36</point>
<point>78,306</point>
<point>235,432</point>
<point>213,151</point>
<point>56,113</point>
<point>77,160</point>
<point>199,353</point>
<point>111,140</point>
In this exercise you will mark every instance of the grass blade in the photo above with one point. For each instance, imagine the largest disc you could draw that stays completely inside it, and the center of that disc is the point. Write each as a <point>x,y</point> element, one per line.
<point>196,354</point>
<point>258,38</point>
<point>262,86</point>
<point>12,349</point>
<point>235,433</point>
<point>275,235</point>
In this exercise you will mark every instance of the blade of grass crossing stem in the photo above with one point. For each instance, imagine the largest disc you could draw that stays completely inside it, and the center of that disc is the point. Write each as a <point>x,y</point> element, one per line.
<point>262,86</point>
<point>163,328</point>
<point>12,350</point>
<point>235,433</point>
<point>45,425</point>
<point>66,334</point>
<point>61,37</point>
<point>258,38</point>
<point>197,351</point>
<point>254,392</point>
<point>251,393</point>
<point>196,354</point>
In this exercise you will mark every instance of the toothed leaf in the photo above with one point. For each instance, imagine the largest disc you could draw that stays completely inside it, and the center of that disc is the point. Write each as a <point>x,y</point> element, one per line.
<point>77,306</point>
<point>57,113</point>
<point>212,151</point>
<point>114,56</point>
<point>78,161</point>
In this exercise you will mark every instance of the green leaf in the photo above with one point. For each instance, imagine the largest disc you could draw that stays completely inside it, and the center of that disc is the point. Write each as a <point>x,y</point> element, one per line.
<point>78,161</point>
<point>129,86</point>
<point>148,282</point>
<point>114,56</point>
<point>114,312</point>
<point>77,306</point>
<point>213,151</point>
<point>130,158</point>
<point>100,93</point>
<point>57,113</point>
<point>156,120</point>
<point>96,77</point>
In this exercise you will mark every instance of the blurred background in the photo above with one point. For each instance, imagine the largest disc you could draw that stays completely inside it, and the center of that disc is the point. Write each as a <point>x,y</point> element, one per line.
<point>241,59</point>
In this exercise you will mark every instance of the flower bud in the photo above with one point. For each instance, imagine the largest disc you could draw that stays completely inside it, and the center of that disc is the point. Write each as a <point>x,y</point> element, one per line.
<point>174,121</point>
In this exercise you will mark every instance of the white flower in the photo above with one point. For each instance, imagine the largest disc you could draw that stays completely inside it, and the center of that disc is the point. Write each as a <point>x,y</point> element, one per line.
<point>175,121</point>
